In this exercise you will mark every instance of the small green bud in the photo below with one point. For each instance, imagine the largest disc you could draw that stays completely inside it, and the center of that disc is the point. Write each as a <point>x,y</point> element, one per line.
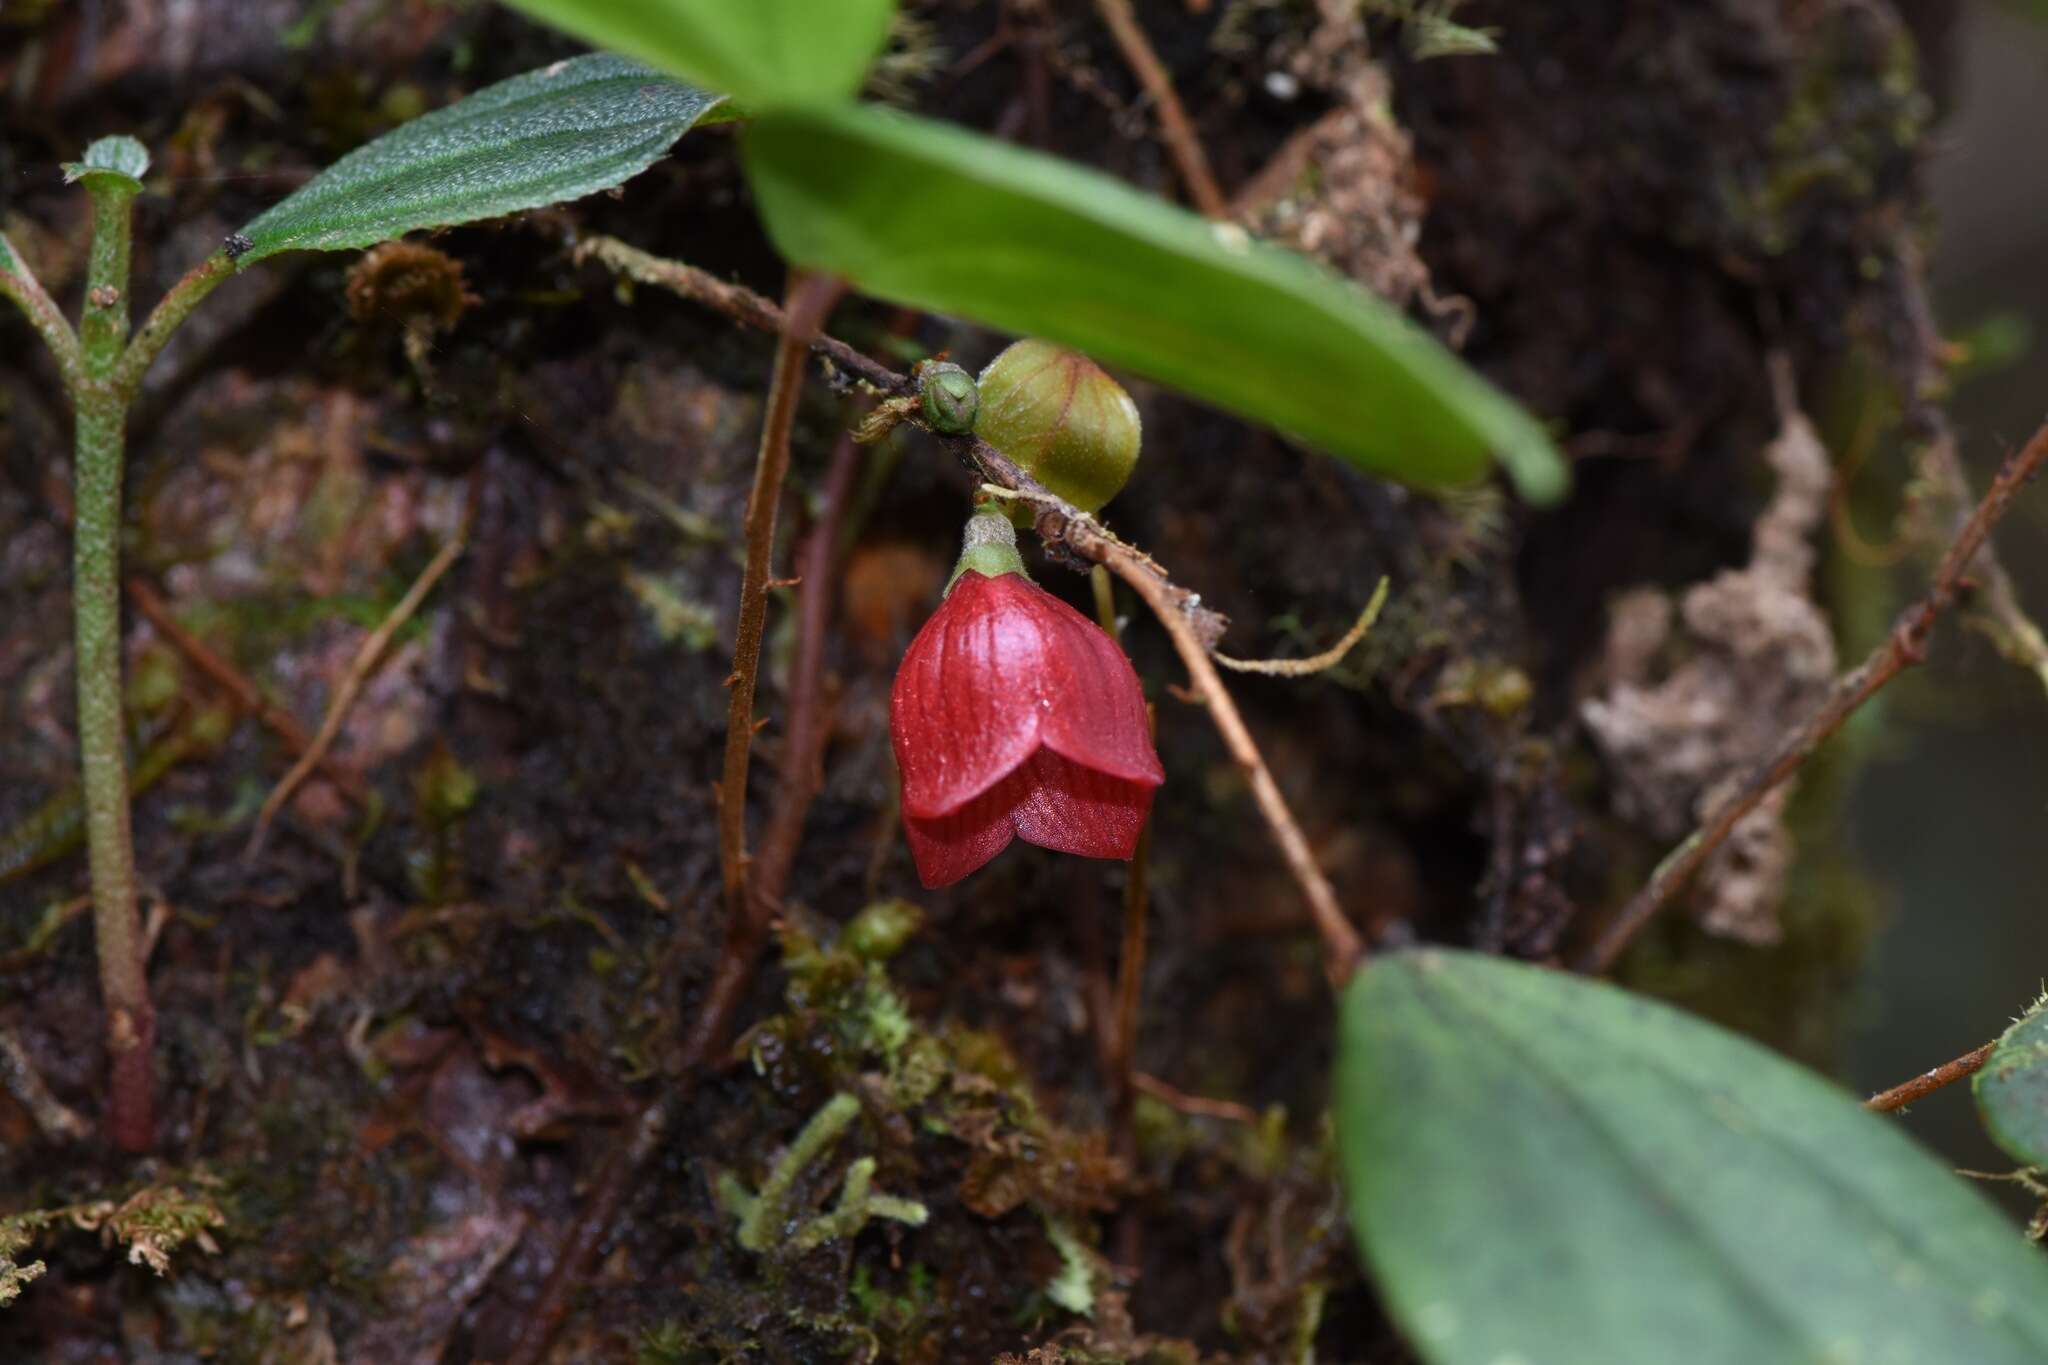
<point>881,929</point>
<point>950,398</point>
<point>1062,419</point>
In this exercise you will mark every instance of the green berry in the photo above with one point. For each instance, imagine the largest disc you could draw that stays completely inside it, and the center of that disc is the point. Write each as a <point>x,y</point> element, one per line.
<point>1062,419</point>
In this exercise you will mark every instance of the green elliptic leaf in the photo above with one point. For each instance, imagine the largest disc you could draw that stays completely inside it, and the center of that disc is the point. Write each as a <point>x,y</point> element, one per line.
<point>1548,1170</point>
<point>2012,1090</point>
<point>941,218</point>
<point>118,161</point>
<point>567,130</point>
<point>765,52</point>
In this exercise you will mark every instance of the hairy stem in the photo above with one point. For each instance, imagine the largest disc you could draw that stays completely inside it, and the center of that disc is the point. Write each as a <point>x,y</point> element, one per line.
<point>171,310</point>
<point>18,282</point>
<point>102,412</point>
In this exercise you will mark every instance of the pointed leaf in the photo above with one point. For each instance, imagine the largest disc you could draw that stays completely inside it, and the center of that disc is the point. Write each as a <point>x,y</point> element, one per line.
<point>1547,1169</point>
<point>765,52</point>
<point>2012,1090</point>
<point>941,218</point>
<point>567,130</point>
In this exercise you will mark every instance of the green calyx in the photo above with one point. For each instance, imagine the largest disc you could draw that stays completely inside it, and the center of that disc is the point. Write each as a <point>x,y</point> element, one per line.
<point>988,547</point>
<point>950,398</point>
<point>1062,419</point>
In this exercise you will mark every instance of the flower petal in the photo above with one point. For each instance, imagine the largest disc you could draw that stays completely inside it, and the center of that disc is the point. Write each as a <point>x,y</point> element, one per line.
<point>965,710</point>
<point>949,847</point>
<point>1095,709</point>
<point>1073,809</point>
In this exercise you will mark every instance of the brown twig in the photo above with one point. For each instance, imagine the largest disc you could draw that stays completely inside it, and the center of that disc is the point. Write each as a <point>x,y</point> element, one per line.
<point>803,743</point>
<point>58,1121</point>
<point>237,685</point>
<point>2001,617</point>
<point>1130,967</point>
<point>1181,1101</point>
<point>1175,129</point>
<point>1927,1082</point>
<point>737,302</point>
<point>359,670</point>
<point>1905,646</point>
<point>1342,945</point>
<point>809,299</point>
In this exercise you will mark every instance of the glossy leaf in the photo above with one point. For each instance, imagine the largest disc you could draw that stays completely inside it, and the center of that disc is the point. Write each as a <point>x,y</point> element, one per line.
<point>765,52</point>
<point>567,130</point>
<point>937,217</point>
<point>2012,1090</point>
<point>1546,1169</point>
<point>117,161</point>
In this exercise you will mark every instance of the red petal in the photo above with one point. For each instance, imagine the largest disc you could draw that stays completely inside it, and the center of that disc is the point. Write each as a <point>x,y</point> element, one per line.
<point>1073,809</point>
<point>1094,707</point>
<point>964,712</point>
<point>951,846</point>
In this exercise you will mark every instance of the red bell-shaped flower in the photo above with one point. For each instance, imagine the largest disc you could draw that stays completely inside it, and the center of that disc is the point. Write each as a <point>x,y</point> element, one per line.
<point>1013,714</point>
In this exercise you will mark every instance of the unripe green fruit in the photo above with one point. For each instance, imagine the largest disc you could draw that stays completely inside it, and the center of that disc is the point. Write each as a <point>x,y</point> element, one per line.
<point>1062,419</point>
<point>950,398</point>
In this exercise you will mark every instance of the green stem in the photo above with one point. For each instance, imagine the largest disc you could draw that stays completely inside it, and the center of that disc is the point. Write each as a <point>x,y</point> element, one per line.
<point>163,320</point>
<point>102,414</point>
<point>19,283</point>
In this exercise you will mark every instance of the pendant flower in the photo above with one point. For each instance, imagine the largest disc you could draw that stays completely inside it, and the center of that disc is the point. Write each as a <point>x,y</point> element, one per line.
<point>1015,715</point>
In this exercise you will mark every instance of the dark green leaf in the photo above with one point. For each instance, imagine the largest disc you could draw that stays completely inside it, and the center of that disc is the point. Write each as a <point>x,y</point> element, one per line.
<point>766,52</point>
<point>1546,1169</point>
<point>2012,1090</point>
<point>940,218</point>
<point>119,162</point>
<point>552,135</point>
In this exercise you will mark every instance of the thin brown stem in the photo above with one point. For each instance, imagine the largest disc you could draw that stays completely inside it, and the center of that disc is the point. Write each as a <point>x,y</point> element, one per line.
<point>1130,992</point>
<point>809,299</point>
<point>1905,646</point>
<point>1197,1105</point>
<point>19,283</point>
<point>1927,1082</point>
<point>736,301</point>
<point>803,743</point>
<point>1342,945</point>
<point>237,685</point>
<point>359,671</point>
<point>1175,129</point>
